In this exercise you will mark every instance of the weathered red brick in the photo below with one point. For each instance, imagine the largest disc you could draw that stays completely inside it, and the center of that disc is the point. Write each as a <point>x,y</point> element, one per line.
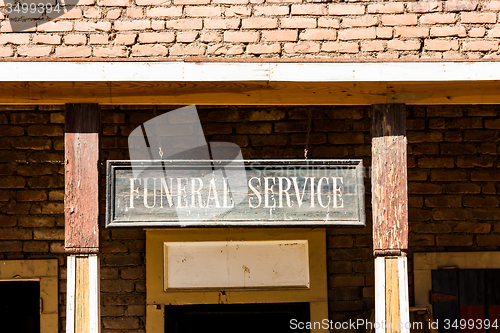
<point>386,8</point>
<point>225,49</point>
<point>424,6</point>
<point>424,188</point>
<point>48,234</point>
<point>132,259</point>
<point>374,45</point>
<point>309,9</point>
<point>460,5</point>
<point>35,247</point>
<point>202,11</point>
<point>263,48</point>
<point>450,214</point>
<point>99,39</point>
<point>247,11</point>
<point>298,22</point>
<point>149,50</point>
<point>481,45</point>
<point>8,221</point>
<point>10,246</point>
<point>34,51</point>
<point>117,286</point>
<point>421,240</point>
<point>474,17</point>
<point>328,22</point>
<point>173,11</point>
<point>448,31</point>
<point>486,240</point>
<point>302,47</point>
<point>280,35</point>
<point>185,24</point>
<point>454,240</point>
<point>223,24</point>
<point>127,323</point>
<point>92,26</point>
<point>361,21</point>
<point>400,19</point>
<point>318,34</point>
<point>438,18</point>
<point>346,9</point>
<point>443,201</point>
<point>241,36</point>
<point>347,280</point>
<point>15,233</point>
<point>259,23</point>
<point>440,45</point>
<point>73,51</point>
<point>114,3</point>
<point>357,33</point>
<point>401,45</point>
<point>133,273</point>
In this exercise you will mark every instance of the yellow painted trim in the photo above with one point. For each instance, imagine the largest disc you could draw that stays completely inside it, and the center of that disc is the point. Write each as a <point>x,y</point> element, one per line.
<point>44,271</point>
<point>316,295</point>
<point>424,263</point>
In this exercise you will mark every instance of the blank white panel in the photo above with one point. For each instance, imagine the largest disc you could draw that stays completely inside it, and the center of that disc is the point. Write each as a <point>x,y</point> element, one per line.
<point>245,264</point>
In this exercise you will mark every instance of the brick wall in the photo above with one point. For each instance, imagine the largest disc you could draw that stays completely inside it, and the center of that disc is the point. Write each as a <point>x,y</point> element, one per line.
<point>454,181</point>
<point>334,30</point>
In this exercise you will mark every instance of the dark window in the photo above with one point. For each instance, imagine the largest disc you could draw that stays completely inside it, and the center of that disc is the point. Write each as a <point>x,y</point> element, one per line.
<point>20,306</point>
<point>465,299</point>
<point>230,318</point>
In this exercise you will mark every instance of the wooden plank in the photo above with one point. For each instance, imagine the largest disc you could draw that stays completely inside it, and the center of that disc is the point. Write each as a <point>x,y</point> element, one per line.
<point>403,294</point>
<point>251,93</point>
<point>70,294</point>
<point>82,304</point>
<point>187,93</point>
<point>389,177</point>
<point>94,294</point>
<point>236,265</point>
<point>81,200</point>
<point>436,93</point>
<point>392,300</point>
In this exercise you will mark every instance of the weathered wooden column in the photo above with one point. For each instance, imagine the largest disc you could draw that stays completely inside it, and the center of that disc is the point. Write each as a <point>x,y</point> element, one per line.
<point>390,217</point>
<point>81,212</point>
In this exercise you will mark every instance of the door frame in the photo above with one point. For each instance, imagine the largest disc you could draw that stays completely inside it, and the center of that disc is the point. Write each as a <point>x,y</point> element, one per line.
<point>316,295</point>
<point>424,263</point>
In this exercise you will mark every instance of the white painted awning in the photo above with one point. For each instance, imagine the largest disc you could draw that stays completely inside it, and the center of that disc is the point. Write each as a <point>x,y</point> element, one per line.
<point>238,71</point>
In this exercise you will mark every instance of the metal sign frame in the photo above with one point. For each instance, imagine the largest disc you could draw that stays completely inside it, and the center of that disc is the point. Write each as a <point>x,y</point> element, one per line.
<point>356,165</point>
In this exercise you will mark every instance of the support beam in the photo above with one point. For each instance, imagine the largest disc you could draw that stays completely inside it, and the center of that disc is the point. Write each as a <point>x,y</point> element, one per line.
<point>81,198</point>
<point>390,216</point>
<point>81,209</point>
<point>250,93</point>
<point>389,177</point>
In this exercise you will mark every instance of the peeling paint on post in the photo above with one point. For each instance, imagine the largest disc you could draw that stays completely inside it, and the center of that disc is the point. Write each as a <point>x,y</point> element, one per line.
<point>81,199</point>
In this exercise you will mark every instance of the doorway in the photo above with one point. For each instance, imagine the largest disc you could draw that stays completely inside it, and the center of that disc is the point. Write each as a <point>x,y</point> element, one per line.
<point>20,306</point>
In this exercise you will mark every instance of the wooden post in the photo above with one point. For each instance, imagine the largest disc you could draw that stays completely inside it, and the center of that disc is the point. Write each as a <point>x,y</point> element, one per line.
<point>81,212</point>
<point>390,217</point>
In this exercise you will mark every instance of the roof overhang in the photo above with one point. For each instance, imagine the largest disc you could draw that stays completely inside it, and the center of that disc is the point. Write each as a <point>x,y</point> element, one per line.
<point>249,83</point>
<point>181,71</point>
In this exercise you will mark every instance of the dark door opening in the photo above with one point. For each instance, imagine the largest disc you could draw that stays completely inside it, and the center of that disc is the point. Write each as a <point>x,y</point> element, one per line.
<point>230,318</point>
<point>20,306</point>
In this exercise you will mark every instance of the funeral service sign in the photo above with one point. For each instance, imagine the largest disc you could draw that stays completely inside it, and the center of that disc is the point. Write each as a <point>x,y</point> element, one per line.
<point>160,193</point>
